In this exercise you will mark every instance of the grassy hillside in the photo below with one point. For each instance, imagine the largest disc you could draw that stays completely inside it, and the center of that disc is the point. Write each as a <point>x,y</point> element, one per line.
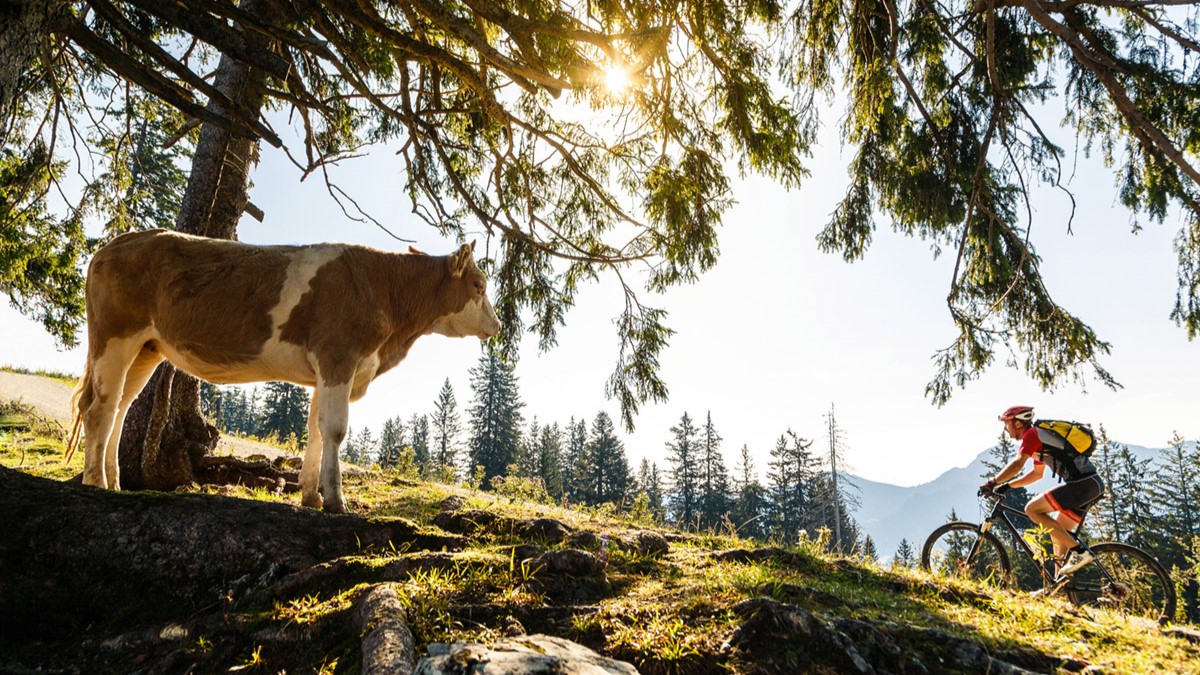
<point>706,604</point>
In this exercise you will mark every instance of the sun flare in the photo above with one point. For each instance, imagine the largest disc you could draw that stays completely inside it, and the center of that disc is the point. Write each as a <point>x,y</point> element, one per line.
<point>616,79</point>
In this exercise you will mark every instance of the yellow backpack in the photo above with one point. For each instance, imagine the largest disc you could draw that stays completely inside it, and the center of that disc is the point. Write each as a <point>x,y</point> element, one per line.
<point>1071,444</point>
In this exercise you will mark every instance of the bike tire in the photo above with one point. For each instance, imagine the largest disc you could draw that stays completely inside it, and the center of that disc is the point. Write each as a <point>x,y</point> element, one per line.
<point>1142,588</point>
<point>963,550</point>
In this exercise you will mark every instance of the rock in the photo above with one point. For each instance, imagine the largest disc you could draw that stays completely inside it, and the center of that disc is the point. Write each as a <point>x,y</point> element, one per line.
<point>880,648</point>
<point>387,645</point>
<point>526,551</point>
<point>569,562</point>
<point>644,542</point>
<point>530,655</point>
<point>465,522</point>
<point>808,642</point>
<point>584,539</point>
<point>510,626</point>
<point>972,656</point>
<point>452,503</point>
<point>547,530</point>
<point>290,463</point>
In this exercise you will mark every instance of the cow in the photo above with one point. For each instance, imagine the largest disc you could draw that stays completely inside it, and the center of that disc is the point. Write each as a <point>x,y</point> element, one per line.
<point>328,316</point>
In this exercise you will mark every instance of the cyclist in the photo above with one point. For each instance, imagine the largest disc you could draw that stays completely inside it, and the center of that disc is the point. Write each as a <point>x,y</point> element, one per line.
<point>1070,500</point>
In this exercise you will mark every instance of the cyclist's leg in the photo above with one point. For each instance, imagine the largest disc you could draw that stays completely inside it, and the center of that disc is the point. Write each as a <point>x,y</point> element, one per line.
<point>1069,521</point>
<point>1039,510</point>
<point>1072,501</point>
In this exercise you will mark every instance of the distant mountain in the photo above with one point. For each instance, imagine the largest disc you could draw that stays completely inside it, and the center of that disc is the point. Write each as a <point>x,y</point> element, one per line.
<point>890,513</point>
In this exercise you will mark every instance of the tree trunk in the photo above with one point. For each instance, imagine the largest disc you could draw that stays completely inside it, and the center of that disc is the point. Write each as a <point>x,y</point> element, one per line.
<point>165,436</point>
<point>25,26</point>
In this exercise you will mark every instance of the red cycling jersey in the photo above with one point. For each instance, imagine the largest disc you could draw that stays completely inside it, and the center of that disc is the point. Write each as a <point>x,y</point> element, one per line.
<point>1031,444</point>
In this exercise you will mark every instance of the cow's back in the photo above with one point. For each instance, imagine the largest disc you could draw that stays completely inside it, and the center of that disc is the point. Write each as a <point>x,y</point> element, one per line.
<point>208,298</point>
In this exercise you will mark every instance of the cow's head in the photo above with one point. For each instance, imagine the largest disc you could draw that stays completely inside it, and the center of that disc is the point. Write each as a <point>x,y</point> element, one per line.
<point>476,316</point>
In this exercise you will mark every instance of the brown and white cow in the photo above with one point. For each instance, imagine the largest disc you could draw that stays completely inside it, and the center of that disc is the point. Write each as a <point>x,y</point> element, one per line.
<point>328,316</point>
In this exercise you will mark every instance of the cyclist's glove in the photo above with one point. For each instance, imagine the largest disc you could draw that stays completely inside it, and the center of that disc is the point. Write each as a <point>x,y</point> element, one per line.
<point>990,488</point>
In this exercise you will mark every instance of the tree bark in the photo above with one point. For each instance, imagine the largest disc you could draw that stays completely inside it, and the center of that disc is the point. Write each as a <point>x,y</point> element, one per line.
<point>73,556</point>
<point>25,26</point>
<point>165,436</point>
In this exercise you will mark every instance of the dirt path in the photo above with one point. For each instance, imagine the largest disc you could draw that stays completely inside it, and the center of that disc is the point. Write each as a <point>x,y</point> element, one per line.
<point>49,397</point>
<point>52,399</point>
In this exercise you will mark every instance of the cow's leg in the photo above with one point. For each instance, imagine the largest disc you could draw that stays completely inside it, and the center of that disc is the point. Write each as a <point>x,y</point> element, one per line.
<point>334,414</point>
<point>109,368</point>
<point>310,472</point>
<point>135,379</point>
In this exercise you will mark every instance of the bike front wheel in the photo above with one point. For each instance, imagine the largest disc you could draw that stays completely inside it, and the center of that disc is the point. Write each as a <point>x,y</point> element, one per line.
<point>1127,580</point>
<point>963,550</point>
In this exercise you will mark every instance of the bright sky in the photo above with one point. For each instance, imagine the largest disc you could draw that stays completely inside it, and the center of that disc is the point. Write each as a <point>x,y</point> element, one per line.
<point>779,332</point>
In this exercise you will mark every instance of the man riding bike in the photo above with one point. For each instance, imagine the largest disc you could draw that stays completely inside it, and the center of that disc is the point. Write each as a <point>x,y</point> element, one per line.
<point>1071,500</point>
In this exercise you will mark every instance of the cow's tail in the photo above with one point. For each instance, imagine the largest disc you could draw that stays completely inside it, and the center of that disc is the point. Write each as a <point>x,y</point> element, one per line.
<point>81,400</point>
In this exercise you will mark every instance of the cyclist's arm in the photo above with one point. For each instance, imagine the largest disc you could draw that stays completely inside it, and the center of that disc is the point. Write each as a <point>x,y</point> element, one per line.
<point>1014,467</point>
<point>1032,476</point>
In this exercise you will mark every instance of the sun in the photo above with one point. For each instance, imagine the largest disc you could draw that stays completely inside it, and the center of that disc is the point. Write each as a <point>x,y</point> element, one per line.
<point>617,79</point>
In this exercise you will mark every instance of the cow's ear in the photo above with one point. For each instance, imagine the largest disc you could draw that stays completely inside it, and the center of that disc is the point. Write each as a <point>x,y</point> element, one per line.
<point>415,251</point>
<point>461,260</point>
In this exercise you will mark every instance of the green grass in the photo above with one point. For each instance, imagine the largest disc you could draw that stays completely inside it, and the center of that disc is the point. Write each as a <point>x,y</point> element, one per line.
<point>669,614</point>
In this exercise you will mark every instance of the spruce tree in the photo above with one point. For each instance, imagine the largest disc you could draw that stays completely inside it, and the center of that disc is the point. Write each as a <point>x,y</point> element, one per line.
<point>576,462</point>
<point>418,427</point>
<point>832,509</point>
<point>867,551</point>
<point>750,498</point>
<point>905,555</point>
<point>649,483</point>
<point>284,410</point>
<point>609,479</point>
<point>391,443</point>
<point>365,449</point>
<point>714,478</point>
<point>211,400</point>
<point>549,449</point>
<point>1176,498</point>
<point>349,451</point>
<point>444,431</point>
<point>526,461</point>
<point>683,453</point>
<point>1106,519</point>
<point>792,470</point>
<point>1129,492</point>
<point>495,418</point>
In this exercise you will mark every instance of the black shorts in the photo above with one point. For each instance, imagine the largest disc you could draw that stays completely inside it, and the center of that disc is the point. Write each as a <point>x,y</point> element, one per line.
<point>1075,498</point>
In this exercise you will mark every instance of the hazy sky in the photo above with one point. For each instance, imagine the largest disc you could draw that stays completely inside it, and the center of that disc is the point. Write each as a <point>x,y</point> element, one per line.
<point>779,332</point>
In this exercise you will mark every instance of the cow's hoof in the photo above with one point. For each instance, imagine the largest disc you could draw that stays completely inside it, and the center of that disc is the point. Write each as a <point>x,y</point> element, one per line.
<point>313,502</point>
<point>337,507</point>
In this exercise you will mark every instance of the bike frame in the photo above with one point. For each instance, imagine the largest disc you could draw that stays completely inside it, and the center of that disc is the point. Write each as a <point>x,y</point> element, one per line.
<point>1000,512</point>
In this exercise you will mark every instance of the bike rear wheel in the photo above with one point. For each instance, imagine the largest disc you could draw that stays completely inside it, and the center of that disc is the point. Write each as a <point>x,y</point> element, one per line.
<point>1124,579</point>
<point>962,550</point>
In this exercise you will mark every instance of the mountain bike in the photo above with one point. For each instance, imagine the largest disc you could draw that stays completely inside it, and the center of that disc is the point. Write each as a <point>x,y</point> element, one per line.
<point>1122,577</point>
